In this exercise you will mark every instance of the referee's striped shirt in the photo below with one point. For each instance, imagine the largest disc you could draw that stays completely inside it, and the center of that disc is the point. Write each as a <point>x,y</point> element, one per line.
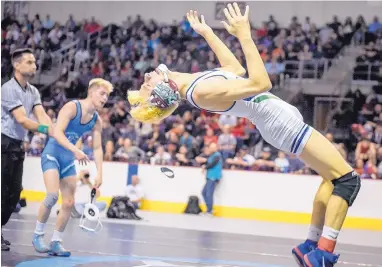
<point>14,96</point>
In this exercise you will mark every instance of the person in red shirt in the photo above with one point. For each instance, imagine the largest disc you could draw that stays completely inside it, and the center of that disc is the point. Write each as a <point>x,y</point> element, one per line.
<point>210,137</point>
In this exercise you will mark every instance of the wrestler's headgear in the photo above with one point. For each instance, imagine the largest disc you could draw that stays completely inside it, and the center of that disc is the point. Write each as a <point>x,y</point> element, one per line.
<point>163,101</point>
<point>91,215</point>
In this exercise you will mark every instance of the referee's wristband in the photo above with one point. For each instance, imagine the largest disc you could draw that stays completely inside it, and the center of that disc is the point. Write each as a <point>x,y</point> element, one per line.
<point>43,129</point>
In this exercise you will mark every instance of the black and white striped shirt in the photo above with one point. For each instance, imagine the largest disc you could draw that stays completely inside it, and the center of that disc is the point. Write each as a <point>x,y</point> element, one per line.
<point>12,97</point>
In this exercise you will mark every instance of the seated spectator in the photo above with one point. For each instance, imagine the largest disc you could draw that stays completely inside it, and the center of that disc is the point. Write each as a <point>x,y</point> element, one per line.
<point>265,162</point>
<point>379,163</point>
<point>274,69</point>
<point>227,142</point>
<point>281,163</point>
<point>369,171</point>
<point>134,192</point>
<point>184,157</point>
<point>161,157</point>
<point>242,160</point>
<point>187,140</point>
<point>375,25</point>
<point>365,151</point>
<point>296,166</point>
<point>210,137</point>
<point>109,151</point>
<point>130,153</point>
<point>377,134</point>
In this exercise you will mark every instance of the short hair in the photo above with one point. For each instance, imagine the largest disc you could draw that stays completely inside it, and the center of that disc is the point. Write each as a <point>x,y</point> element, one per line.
<point>97,82</point>
<point>18,53</point>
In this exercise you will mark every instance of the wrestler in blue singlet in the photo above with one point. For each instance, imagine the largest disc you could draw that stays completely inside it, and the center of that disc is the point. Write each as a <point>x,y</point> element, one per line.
<point>56,156</point>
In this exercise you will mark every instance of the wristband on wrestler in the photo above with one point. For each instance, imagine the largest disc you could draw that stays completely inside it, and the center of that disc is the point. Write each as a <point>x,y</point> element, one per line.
<point>43,129</point>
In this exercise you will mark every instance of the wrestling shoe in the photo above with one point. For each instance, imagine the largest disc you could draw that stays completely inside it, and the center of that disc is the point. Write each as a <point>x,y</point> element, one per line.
<point>39,244</point>
<point>56,249</point>
<point>302,249</point>
<point>320,258</point>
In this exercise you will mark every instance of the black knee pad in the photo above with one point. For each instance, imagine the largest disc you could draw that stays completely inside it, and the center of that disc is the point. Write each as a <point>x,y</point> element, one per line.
<point>347,187</point>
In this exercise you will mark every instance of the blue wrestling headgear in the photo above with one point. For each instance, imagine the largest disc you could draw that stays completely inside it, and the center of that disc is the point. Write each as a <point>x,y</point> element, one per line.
<point>91,214</point>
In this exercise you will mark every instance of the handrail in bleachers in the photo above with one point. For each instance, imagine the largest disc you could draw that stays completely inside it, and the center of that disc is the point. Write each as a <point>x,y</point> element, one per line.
<point>105,31</point>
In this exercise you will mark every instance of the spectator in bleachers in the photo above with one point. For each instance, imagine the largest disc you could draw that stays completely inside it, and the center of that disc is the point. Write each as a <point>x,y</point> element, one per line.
<point>161,157</point>
<point>184,157</point>
<point>265,162</point>
<point>365,151</point>
<point>379,163</point>
<point>210,137</point>
<point>375,25</point>
<point>377,134</point>
<point>109,151</point>
<point>296,166</point>
<point>242,160</point>
<point>129,152</point>
<point>227,142</point>
<point>281,163</point>
<point>275,69</point>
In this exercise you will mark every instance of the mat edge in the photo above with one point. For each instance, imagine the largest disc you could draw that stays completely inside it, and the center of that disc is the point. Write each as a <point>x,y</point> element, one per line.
<point>274,216</point>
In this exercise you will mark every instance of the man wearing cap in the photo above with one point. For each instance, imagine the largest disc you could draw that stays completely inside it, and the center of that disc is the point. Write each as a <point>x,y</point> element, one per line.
<point>19,100</point>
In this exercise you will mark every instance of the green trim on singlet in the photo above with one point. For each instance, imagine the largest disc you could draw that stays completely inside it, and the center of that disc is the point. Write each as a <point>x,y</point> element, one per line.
<point>264,97</point>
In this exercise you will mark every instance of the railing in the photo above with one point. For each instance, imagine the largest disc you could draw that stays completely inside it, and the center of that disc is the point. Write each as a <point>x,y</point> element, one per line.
<point>308,69</point>
<point>104,32</point>
<point>366,71</point>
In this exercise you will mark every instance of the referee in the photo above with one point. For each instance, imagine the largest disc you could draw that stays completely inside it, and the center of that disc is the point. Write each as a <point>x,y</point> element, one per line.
<point>19,100</point>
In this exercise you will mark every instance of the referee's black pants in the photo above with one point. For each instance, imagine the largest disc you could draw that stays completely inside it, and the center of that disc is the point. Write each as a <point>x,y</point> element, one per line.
<point>12,161</point>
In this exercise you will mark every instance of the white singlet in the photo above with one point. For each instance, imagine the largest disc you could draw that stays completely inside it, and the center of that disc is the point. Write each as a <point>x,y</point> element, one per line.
<point>279,123</point>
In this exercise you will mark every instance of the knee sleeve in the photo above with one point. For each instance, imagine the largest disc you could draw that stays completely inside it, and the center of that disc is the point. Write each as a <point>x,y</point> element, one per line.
<point>50,200</point>
<point>347,187</point>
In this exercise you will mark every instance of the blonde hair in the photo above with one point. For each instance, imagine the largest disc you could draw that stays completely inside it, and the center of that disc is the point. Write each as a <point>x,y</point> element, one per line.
<point>143,112</point>
<point>101,83</point>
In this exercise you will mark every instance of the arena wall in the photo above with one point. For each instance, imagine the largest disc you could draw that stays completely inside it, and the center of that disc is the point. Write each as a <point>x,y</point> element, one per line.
<point>261,196</point>
<point>117,11</point>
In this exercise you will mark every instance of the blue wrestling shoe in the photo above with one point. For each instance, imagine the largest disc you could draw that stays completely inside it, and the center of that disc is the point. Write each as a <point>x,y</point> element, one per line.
<point>39,244</point>
<point>320,258</point>
<point>302,249</point>
<point>56,249</point>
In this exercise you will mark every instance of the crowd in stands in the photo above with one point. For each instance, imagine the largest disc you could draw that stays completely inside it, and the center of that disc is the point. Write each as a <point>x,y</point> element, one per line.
<point>137,46</point>
<point>369,62</point>
<point>43,36</point>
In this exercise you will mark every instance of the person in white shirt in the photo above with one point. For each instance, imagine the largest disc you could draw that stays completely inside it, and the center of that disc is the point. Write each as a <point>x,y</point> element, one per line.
<point>135,192</point>
<point>282,163</point>
<point>161,157</point>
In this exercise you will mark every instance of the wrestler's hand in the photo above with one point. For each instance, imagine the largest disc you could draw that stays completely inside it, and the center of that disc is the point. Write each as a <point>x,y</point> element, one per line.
<point>98,181</point>
<point>199,26</point>
<point>81,157</point>
<point>238,24</point>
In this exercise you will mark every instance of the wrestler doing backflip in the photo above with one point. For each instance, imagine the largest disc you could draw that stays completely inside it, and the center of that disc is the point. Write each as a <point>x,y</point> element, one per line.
<point>223,91</point>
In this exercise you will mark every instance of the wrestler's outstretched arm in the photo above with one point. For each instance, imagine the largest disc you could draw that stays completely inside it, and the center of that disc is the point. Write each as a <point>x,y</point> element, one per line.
<point>226,58</point>
<point>233,90</point>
